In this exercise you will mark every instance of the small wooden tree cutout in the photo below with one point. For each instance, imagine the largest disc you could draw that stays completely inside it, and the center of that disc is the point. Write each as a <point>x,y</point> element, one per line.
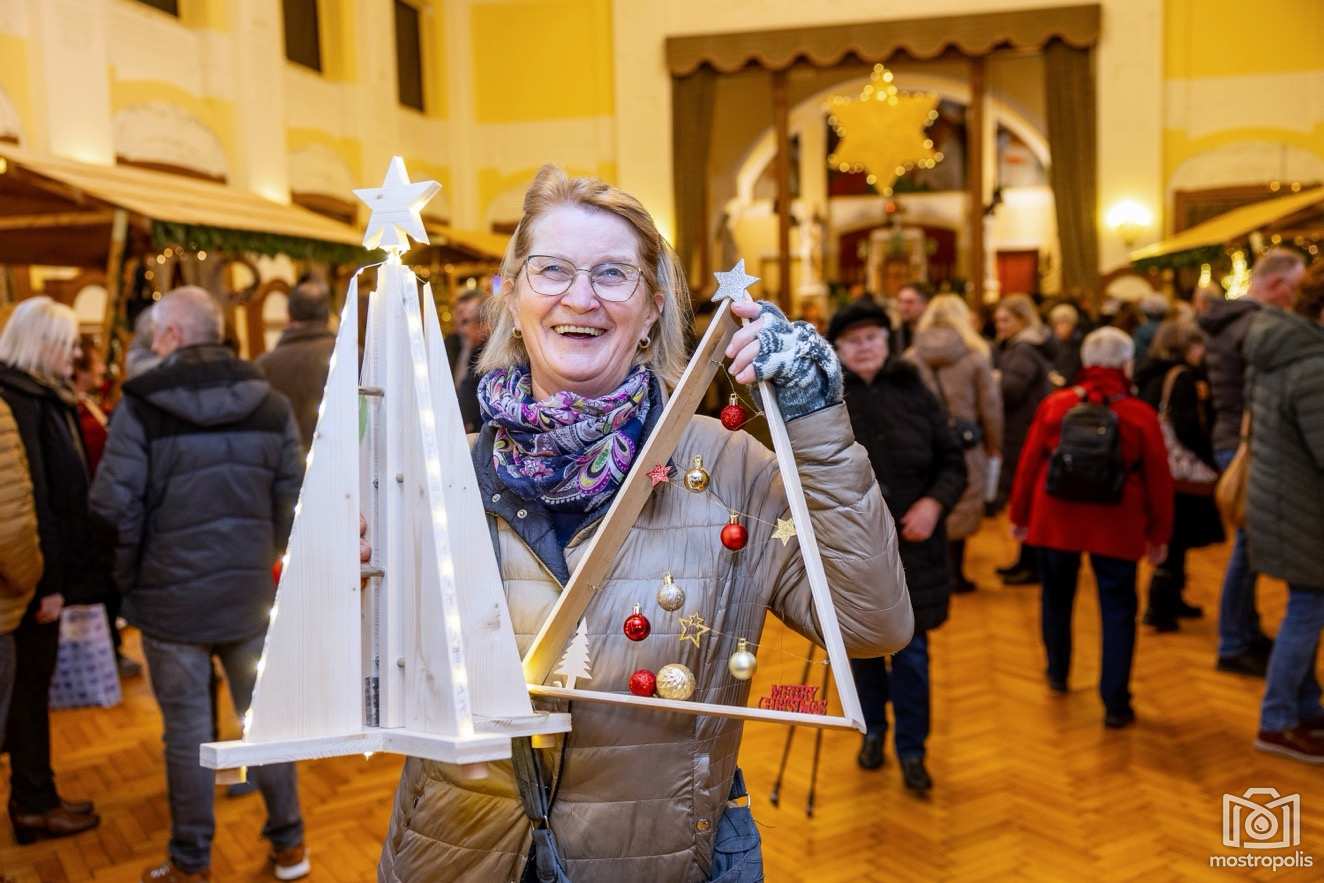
<point>595,567</point>
<point>574,661</point>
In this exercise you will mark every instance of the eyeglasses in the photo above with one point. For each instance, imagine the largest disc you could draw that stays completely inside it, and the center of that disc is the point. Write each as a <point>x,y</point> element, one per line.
<point>552,277</point>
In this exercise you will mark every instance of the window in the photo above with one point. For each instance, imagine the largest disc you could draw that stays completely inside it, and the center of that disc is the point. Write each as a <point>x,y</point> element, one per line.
<point>170,7</point>
<point>301,42</point>
<point>408,56</point>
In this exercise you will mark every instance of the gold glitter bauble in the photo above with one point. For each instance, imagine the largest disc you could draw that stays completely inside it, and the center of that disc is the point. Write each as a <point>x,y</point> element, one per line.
<point>670,597</point>
<point>742,663</point>
<point>675,681</point>
<point>697,478</point>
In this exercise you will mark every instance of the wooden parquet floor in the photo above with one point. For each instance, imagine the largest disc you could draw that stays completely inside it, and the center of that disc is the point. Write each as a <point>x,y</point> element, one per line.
<point>1029,785</point>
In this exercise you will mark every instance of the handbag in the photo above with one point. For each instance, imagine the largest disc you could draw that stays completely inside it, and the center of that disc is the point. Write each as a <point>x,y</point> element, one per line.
<point>969,433</point>
<point>1190,474</point>
<point>1234,484</point>
<point>85,670</point>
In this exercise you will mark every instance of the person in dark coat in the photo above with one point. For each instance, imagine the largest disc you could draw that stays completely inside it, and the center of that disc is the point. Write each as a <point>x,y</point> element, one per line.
<point>37,352</point>
<point>1173,383</point>
<point>199,480</point>
<point>920,468</point>
<point>1069,332</point>
<point>464,349</point>
<point>1285,519</point>
<point>1024,371</point>
<point>297,366</point>
<point>1116,536</point>
<point>1243,648</point>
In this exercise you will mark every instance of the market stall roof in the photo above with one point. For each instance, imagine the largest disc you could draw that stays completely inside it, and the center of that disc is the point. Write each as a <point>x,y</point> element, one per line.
<point>48,204</point>
<point>466,245</point>
<point>1230,226</point>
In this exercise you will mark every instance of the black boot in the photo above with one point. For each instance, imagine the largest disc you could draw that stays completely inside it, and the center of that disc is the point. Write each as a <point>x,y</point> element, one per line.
<point>915,776</point>
<point>871,751</point>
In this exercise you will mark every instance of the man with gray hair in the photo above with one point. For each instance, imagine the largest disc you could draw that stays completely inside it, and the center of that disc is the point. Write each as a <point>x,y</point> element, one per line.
<point>297,366</point>
<point>1243,648</point>
<point>199,479</point>
<point>1093,478</point>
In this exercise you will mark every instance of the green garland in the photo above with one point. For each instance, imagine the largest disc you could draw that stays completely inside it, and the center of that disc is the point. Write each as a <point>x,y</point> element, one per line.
<point>1193,257</point>
<point>221,240</point>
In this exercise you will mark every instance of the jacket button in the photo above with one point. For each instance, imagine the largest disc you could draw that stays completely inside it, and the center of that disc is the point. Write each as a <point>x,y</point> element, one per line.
<point>496,498</point>
<point>702,826</point>
<point>521,513</point>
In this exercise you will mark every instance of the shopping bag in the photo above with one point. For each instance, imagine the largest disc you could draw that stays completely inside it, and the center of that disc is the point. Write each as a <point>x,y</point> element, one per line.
<point>85,672</point>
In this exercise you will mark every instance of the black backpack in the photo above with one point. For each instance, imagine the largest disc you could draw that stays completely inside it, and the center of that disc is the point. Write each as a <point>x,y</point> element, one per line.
<point>1087,466</point>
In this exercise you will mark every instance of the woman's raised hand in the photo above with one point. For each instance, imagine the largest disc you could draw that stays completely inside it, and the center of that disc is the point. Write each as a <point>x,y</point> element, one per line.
<point>791,355</point>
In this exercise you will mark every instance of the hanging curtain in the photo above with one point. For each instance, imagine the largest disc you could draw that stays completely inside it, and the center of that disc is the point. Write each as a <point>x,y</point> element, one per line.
<point>1069,83</point>
<point>691,139</point>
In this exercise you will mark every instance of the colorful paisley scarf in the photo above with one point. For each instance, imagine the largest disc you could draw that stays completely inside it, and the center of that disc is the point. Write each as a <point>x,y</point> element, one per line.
<point>569,451</point>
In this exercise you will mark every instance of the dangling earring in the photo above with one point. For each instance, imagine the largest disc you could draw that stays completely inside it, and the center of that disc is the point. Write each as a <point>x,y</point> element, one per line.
<point>516,333</point>
<point>645,342</point>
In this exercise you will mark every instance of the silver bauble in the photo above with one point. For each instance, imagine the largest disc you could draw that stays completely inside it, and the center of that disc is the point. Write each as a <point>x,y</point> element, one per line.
<point>670,597</point>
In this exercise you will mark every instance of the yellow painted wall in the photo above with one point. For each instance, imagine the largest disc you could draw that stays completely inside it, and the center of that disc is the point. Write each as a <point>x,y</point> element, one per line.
<point>215,113</point>
<point>1242,80</point>
<point>542,59</point>
<point>1228,38</point>
<point>15,81</point>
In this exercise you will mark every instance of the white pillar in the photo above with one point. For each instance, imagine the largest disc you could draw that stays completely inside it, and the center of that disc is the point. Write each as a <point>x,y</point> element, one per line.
<point>261,161</point>
<point>375,97</point>
<point>70,72</point>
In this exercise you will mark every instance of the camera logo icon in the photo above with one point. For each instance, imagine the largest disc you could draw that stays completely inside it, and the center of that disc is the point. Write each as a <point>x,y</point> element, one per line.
<point>1261,819</point>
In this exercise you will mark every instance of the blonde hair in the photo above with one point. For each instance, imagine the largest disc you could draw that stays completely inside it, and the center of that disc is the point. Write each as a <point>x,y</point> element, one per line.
<point>661,272</point>
<point>1022,309</point>
<point>39,337</point>
<point>950,311</point>
<point>1174,338</point>
<point>1064,313</point>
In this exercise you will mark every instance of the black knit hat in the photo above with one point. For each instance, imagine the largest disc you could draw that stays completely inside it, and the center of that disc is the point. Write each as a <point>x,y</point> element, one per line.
<point>860,312</point>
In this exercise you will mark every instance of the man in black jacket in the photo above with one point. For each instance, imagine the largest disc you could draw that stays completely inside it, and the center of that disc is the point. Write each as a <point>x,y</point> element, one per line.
<point>200,477</point>
<point>1242,646</point>
<point>920,468</point>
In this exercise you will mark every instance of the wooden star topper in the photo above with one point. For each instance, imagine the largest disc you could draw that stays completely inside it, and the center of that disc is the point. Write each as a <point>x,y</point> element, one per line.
<point>695,622</point>
<point>785,530</point>
<point>659,474</point>
<point>733,283</point>
<point>395,209</point>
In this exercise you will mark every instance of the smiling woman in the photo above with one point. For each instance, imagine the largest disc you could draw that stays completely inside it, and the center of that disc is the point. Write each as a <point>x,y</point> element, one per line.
<point>587,331</point>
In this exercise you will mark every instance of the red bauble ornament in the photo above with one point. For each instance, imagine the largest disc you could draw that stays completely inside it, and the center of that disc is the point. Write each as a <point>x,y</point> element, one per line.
<point>734,535</point>
<point>734,414</point>
<point>643,683</point>
<point>637,626</point>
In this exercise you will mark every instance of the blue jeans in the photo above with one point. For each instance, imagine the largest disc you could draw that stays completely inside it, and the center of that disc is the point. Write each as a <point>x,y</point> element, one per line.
<point>1116,580</point>
<point>181,679</point>
<point>7,662</point>
<point>1291,691</point>
<point>906,685</point>
<point>1238,620</point>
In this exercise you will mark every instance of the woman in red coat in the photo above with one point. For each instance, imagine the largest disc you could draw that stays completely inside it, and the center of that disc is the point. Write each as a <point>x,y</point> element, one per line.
<point>1115,534</point>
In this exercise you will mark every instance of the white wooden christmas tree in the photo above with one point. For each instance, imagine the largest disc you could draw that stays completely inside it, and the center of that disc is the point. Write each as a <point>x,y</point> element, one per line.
<point>414,653</point>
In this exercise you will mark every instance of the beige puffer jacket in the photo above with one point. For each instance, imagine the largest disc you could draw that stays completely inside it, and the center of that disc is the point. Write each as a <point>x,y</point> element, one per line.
<point>20,552</point>
<point>963,379</point>
<point>639,794</point>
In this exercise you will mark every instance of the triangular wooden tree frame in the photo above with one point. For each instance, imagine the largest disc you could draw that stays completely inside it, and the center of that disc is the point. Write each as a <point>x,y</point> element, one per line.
<point>595,566</point>
<point>414,654</point>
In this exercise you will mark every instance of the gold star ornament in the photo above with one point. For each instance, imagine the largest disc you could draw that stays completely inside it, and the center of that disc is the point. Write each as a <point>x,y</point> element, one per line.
<point>785,530</point>
<point>395,209</point>
<point>882,131</point>
<point>692,628</point>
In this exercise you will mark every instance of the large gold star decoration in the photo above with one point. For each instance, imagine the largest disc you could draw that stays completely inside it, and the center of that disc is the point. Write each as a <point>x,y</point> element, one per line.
<point>692,628</point>
<point>882,131</point>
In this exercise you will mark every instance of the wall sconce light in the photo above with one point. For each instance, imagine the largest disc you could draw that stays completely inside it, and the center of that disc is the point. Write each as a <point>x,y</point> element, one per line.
<point>1129,220</point>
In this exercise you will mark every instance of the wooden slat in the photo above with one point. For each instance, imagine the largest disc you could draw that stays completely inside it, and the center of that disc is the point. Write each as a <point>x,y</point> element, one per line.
<point>600,554</point>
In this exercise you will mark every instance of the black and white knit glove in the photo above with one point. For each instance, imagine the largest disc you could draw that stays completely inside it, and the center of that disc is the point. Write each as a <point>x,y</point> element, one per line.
<point>800,364</point>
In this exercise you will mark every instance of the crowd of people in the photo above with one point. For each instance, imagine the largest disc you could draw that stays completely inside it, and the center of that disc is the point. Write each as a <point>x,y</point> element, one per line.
<point>1099,437</point>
